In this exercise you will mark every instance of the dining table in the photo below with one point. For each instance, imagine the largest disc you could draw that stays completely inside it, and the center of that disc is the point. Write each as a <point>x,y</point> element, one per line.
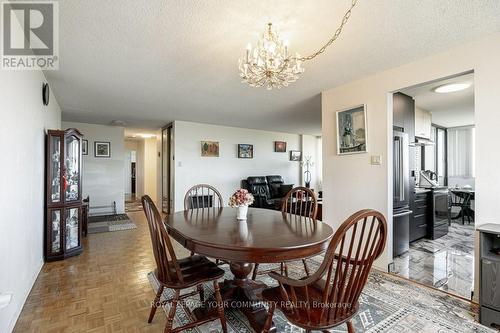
<point>266,236</point>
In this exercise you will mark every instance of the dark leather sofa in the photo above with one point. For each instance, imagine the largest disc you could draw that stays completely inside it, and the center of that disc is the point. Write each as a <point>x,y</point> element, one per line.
<point>268,191</point>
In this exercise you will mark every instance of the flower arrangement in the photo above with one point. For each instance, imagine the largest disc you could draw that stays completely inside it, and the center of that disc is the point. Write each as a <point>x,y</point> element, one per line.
<point>241,198</point>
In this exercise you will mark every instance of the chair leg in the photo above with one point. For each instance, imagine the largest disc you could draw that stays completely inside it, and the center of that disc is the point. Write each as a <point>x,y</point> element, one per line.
<point>171,313</point>
<point>350,327</point>
<point>255,269</point>
<point>201,291</point>
<point>269,319</point>
<point>305,266</point>
<point>220,307</point>
<point>156,301</point>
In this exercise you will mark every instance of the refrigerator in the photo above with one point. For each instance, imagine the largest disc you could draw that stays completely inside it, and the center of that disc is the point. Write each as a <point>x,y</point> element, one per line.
<point>401,193</point>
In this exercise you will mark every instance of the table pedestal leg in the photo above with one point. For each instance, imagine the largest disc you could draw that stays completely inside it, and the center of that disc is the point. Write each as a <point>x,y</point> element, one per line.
<point>244,294</point>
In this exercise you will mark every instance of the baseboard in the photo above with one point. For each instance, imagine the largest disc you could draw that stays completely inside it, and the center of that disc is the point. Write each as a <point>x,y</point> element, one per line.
<point>25,297</point>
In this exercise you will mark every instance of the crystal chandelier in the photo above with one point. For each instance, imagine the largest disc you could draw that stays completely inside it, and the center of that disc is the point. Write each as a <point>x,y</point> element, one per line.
<point>270,64</point>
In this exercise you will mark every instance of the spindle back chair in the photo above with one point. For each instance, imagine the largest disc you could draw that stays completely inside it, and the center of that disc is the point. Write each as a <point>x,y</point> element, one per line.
<point>330,296</point>
<point>179,274</point>
<point>202,196</point>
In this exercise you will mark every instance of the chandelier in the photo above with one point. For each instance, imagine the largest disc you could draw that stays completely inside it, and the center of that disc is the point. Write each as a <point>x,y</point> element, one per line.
<point>270,63</point>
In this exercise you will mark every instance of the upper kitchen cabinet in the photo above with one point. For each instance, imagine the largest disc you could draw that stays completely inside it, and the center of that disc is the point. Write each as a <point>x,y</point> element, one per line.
<point>404,113</point>
<point>423,123</point>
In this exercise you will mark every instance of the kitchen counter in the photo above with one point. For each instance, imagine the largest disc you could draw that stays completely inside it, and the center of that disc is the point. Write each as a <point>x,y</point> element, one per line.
<point>422,190</point>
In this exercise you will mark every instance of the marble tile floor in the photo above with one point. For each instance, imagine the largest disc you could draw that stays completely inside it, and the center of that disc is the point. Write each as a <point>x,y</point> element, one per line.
<point>446,263</point>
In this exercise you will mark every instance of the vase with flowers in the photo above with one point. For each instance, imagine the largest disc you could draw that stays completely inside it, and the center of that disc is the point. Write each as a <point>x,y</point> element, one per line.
<point>240,200</point>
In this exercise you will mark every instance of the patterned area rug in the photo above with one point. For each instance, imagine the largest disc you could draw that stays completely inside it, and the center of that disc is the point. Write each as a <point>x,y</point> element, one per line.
<point>106,223</point>
<point>388,304</point>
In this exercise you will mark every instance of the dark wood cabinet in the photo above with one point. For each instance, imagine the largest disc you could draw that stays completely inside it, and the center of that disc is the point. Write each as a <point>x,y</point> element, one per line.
<point>63,214</point>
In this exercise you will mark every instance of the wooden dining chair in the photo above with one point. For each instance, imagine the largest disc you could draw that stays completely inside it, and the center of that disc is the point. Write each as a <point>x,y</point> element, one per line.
<point>298,202</point>
<point>330,297</point>
<point>202,196</point>
<point>180,274</point>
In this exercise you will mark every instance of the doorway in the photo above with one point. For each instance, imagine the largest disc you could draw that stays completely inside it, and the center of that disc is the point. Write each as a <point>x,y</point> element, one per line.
<point>434,190</point>
<point>167,170</point>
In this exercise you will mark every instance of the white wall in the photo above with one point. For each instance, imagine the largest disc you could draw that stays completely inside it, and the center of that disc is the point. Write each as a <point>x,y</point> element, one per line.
<point>147,168</point>
<point>226,171</point>
<point>151,169</point>
<point>103,178</point>
<point>24,121</point>
<point>351,183</point>
<point>311,146</point>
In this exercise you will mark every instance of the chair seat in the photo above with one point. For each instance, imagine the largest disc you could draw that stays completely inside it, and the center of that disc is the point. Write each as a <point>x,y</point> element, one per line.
<point>315,317</point>
<point>195,270</point>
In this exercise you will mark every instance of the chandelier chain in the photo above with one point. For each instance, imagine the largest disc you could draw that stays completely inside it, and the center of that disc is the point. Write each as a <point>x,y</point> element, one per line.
<point>336,35</point>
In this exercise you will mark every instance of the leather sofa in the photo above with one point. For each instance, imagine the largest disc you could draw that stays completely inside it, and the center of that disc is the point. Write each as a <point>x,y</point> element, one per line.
<point>268,191</point>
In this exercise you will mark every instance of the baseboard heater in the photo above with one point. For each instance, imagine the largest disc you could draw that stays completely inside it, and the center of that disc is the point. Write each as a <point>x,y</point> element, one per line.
<point>111,209</point>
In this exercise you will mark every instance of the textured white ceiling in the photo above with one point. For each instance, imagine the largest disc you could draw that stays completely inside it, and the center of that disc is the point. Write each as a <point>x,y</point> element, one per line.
<point>448,110</point>
<point>149,62</point>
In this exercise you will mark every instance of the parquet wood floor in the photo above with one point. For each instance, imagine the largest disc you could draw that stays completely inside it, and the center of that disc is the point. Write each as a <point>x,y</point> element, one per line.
<point>105,289</point>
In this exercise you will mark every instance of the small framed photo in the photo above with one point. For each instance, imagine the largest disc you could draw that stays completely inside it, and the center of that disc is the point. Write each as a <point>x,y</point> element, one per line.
<point>245,150</point>
<point>210,149</point>
<point>85,147</point>
<point>279,146</point>
<point>295,155</point>
<point>351,130</point>
<point>102,149</point>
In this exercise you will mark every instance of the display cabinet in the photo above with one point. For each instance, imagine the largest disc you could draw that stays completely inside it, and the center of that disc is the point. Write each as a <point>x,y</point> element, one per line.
<point>63,216</point>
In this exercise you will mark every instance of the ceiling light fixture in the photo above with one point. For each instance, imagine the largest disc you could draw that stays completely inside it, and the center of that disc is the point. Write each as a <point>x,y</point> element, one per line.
<point>146,135</point>
<point>452,87</point>
<point>271,65</point>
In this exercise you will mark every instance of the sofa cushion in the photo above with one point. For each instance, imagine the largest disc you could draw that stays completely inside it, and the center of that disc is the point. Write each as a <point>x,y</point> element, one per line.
<point>284,189</point>
<point>258,186</point>
<point>274,185</point>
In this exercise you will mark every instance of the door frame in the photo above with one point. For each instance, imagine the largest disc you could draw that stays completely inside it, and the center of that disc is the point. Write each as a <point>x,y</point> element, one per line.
<point>168,130</point>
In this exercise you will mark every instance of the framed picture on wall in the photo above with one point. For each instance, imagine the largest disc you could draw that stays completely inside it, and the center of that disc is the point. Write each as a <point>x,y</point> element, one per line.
<point>102,149</point>
<point>295,155</point>
<point>210,149</point>
<point>245,150</point>
<point>85,147</point>
<point>279,146</point>
<point>351,130</point>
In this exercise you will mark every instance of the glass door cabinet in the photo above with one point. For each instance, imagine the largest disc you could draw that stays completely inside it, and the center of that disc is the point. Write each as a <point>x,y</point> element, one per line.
<point>63,216</point>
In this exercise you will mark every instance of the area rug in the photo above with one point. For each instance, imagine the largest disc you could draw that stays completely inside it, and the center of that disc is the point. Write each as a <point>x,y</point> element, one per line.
<point>387,304</point>
<point>106,223</point>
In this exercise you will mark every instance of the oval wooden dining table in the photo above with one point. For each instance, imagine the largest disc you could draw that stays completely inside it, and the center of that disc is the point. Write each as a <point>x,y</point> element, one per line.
<point>267,236</point>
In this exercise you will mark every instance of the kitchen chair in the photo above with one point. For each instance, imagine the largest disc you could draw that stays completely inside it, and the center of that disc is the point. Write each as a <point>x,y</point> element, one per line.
<point>299,201</point>
<point>329,297</point>
<point>180,274</point>
<point>462,200</point>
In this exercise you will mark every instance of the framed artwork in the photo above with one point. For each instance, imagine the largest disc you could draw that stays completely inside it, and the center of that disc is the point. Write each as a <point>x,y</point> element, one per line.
<point>85,147</point>
<point>351,130</point>
<point>295,155</point>
<point>245,150</point>
<point>210,149</point>
<point>279,146</point>
<point>102,149</point>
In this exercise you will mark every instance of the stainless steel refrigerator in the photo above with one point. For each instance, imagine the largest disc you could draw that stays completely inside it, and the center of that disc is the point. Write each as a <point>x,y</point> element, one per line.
<point>401,193</point>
